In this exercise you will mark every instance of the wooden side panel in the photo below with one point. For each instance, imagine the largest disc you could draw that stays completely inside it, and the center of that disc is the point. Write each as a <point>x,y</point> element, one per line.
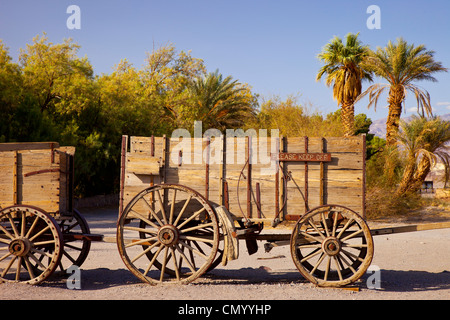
<point>197,164</point>
<point>143,164</point>
<point>37,185</point>
<point>7,179</point>
<point>243,163</point>
<point>342,178</point>
<point>36,176</point>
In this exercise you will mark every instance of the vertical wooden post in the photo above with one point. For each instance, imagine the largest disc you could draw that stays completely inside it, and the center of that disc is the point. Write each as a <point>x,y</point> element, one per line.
<point>306,177</point>
<point>226,198</point>
<point>321,190</point>
<point>249,176</point>
<point>207,160</point>
<point>164,160</point>
<point>277,179</point>
<point>122,172</point>
<point>222,171</point>
<point>363,182</point>
<point>284,167</point>
<point>15,180</point>
<point>258,199</point>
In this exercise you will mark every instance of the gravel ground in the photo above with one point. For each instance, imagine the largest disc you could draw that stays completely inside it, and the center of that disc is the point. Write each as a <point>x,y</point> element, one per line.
<point>412,265</point>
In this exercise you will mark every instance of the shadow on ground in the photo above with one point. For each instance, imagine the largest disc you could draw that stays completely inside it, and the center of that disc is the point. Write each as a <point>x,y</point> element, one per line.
<point>391,280</point>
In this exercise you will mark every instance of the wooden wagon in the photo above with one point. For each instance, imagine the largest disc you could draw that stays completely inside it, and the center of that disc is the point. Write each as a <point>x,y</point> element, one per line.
<point>39,228</point>
<point>185,204</point>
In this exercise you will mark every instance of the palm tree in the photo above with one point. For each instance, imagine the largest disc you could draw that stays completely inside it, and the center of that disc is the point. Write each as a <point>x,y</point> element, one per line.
<point>221,103</point>
<point>343,70</point>
<point>424,141</point>
<point>401,64</point>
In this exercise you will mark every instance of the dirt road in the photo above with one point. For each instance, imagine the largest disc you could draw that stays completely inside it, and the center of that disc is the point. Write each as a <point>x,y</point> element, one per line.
<point>411,266</point>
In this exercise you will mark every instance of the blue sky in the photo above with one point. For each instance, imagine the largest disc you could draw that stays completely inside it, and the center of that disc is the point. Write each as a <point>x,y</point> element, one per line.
<point>271,45</point>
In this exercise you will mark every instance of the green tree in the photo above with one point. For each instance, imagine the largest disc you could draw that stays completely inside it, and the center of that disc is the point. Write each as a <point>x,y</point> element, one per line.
<point>343,69</point>
<point>10,91</point>
<point>125,106</point>
<point>166,77</point>
<point>220,103</point>
<point>424,141</point>
<point>53,72</point>
<point>401,64</point>
<point>293,119</point>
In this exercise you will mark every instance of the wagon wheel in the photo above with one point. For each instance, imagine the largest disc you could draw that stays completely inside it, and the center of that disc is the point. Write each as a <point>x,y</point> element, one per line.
<point>30,244</point>
<point>332,246</point>
<point>75,251</point>
<point>216,262</point>
<point>168,234</point>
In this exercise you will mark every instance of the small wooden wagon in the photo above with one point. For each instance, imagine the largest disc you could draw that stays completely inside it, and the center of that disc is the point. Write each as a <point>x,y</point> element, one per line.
<point>39,228</point>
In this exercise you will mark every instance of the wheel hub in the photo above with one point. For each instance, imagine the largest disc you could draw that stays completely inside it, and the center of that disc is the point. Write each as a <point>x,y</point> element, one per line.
<point>168,235</point>
<point>20,247</point>
<point>331,246</point>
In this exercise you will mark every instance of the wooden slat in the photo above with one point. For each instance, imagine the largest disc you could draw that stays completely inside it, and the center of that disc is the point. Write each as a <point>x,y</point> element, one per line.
<point>143,164</point>
<point>28,146</point>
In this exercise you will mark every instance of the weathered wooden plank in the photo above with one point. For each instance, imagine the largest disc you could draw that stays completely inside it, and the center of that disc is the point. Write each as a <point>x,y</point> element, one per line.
<point>143,164</point>
<point>28,146</point>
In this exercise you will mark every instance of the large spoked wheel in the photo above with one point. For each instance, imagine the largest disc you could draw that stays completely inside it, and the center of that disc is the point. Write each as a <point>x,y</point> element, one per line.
<point>30,244</point>
<point>168,234</point>
<point>332,246</point>
<point>76,248</point>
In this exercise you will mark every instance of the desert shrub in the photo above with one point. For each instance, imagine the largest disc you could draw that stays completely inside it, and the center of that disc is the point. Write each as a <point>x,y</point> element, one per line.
<point>384,172</point>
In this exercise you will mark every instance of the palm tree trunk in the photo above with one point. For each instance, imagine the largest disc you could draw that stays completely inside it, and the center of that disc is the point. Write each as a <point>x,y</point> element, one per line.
<point>396,97</point>
<point>414,176</point>
<point>423,169</point>
<point>348,118</point>
<point>408,176</point>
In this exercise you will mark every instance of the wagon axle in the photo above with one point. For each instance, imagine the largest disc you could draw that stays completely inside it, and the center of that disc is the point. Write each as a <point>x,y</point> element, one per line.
<point>168,235</point>
<point>20,247</point>
<point>331,246</point>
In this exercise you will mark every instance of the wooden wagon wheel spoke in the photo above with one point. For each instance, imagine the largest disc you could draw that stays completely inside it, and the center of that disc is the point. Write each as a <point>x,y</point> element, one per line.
<point>188,200</point>
<point>162,204</point>
<point>177,272</point>
<point>144,252</point>
<point>152,212</point>
<point>193,250</point>
<point>33,242</point>
<point>311,223</point>
<point>312,254</point>
<point>174,237</point>
<point>5,242</point>
<point>191,267</point>
<point>339,250</point>
<point>161,246</point>
<point>172,206</point>
<point>7,233</point>
<point>29,268</point>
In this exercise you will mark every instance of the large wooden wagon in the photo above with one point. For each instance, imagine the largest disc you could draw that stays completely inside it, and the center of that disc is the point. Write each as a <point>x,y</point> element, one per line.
<point>185,203</point>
